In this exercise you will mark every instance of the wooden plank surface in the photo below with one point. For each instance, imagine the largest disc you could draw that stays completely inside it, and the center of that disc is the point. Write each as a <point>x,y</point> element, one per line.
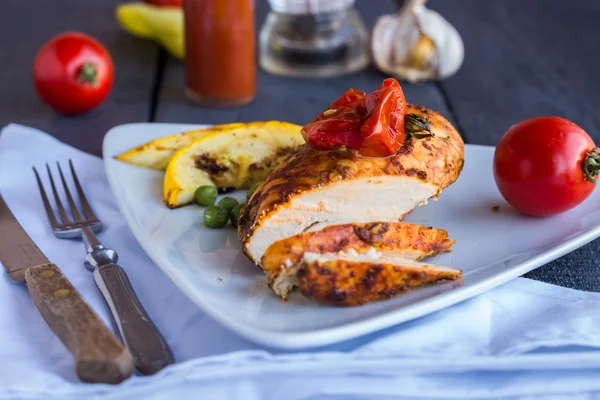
<point>524,58</point>
<point>293,100</point>
<point>26,25</point>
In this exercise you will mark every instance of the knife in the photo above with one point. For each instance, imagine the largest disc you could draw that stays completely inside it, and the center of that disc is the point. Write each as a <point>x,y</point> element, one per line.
<point>99,355</point>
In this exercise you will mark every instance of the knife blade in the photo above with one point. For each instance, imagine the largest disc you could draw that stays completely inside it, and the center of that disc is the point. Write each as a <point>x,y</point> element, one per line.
<point>17,251</point>
<point>99,355</point>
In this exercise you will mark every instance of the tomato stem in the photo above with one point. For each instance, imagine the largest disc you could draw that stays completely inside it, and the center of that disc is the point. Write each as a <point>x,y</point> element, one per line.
<point>88,73</point>
<point>591,165</point>
<point>417,126</point>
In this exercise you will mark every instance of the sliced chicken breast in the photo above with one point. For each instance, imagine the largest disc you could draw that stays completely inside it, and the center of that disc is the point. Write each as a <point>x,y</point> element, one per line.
<point>352,279</point>
<point>342,187</point>
<point>283,258</point>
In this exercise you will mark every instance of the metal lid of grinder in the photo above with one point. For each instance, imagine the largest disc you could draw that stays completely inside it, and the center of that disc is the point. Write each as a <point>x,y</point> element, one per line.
<point>309,6</point>
<point>313,38</point>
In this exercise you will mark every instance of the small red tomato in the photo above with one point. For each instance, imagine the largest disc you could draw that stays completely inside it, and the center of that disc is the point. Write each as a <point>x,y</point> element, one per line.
<point>339,125</point>
<point>383,128</point>
<point>165,3</point>
<point>547,165</point>
<point>375,125</point>
<point>73,73</point>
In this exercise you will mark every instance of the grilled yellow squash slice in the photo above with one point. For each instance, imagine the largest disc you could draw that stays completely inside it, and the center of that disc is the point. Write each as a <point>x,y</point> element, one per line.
<point>157,153</point>
<point>235,157</point>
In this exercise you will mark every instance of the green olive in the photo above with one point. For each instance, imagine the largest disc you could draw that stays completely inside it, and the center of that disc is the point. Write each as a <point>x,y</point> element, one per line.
<point>206,195</point>
<point>235,214</point>
<point>215,217</point>
<point>228,203</point>
<point>252,189</point>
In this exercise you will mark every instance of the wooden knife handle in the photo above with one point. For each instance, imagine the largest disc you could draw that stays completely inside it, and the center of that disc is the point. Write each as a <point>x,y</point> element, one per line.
<point>149,349</point>
<point>99,355</point>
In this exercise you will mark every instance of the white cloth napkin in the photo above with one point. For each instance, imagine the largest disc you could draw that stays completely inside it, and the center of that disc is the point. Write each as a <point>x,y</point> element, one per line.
<point>524,339</point>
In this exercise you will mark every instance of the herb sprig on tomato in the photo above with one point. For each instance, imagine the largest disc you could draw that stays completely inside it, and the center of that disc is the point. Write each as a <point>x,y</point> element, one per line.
<point>375,124</point>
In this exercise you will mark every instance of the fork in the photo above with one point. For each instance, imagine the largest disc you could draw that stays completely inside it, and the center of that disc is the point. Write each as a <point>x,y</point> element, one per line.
<point>139,334</point>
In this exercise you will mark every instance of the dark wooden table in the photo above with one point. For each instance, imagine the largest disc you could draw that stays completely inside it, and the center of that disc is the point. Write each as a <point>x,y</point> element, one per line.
<point>524,58</point>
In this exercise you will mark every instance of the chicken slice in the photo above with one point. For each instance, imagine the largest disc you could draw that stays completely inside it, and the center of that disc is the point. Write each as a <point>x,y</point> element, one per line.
<point>342,187</point>
<point>414,242</point>
<point>352,279</point>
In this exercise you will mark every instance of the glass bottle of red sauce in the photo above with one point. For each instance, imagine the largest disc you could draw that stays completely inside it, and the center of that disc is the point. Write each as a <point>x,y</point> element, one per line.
<point>220,52</point>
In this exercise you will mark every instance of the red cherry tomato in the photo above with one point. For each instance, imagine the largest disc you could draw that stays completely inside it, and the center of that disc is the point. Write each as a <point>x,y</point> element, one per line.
<point>338,125</point>
<point>547,165</point>
<point>373,124</point>
<point>165,3</point>
<point>73,73</point>
<point>383,129</point>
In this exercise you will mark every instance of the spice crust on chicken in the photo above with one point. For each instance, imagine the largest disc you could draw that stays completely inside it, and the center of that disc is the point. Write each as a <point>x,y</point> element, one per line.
<point>343,187</point>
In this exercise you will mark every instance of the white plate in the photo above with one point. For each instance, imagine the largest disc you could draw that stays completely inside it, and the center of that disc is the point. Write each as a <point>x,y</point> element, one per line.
<point>207,265</point>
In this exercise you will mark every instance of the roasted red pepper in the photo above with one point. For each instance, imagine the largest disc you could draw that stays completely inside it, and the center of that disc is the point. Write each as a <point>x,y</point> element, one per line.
<point>373,124</point>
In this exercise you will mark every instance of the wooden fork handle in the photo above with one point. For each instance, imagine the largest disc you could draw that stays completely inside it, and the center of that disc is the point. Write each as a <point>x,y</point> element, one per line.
<point>149,349</point>
<point>99,355</point>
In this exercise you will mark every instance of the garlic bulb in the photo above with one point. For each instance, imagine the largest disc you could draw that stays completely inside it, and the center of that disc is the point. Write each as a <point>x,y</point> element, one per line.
<point>416,44</point>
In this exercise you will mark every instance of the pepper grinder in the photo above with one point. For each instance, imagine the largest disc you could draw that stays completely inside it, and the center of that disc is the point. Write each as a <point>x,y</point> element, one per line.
<point>313,38</point>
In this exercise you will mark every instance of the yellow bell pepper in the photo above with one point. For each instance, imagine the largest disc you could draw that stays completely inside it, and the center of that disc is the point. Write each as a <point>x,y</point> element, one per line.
<point>161,24</point>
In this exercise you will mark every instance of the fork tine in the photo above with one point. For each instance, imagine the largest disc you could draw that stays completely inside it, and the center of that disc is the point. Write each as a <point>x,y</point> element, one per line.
<point>49,210</point>
<point>87,210</point>
<point>74,210</point>
<point>59,206</point>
